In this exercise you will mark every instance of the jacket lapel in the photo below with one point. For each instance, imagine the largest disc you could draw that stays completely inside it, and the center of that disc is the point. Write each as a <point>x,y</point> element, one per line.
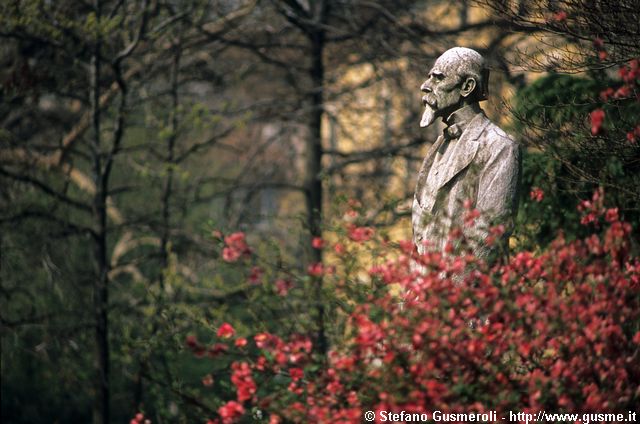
<point>465,148</point>
<point>426,165</point>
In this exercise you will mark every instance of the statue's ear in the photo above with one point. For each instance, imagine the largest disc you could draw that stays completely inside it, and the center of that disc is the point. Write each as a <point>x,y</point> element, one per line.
<point>468,86</point>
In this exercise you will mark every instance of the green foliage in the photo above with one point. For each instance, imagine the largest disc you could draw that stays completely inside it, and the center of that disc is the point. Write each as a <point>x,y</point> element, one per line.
<point>46,350</point>
<point>556,100</point>
<point>565,160</point>
<point>538,222</point>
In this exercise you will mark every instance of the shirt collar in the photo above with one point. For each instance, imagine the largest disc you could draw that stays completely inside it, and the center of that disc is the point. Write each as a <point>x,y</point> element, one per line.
<point>463,116</point>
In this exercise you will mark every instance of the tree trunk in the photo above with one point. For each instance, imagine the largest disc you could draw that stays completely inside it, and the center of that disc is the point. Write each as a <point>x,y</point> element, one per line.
<point>99,212</point>
<point>169,163</point>
<point>313,186</point>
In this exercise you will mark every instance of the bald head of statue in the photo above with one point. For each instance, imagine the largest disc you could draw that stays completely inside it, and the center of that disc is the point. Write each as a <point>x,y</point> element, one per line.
<point>459,77</point>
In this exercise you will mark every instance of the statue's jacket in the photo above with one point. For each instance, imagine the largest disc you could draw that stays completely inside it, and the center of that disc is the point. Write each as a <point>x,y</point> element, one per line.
<point>484,168</point>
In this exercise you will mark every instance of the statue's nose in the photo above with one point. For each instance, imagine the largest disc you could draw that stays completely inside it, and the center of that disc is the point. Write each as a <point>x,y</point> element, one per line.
<point>425,87</point>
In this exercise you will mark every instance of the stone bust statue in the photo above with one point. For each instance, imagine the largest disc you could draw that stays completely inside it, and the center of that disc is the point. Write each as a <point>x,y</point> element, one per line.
<point>472,161</point>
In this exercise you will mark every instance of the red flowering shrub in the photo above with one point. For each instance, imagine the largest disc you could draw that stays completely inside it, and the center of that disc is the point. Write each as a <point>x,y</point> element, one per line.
<point>625,92</point>
<point>581,129</point>
<point>235,247</point>
<point>555,331</point>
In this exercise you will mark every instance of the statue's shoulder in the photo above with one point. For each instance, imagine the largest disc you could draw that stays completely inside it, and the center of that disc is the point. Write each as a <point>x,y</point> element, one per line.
<point>495,142</point>
<point>496,136</point>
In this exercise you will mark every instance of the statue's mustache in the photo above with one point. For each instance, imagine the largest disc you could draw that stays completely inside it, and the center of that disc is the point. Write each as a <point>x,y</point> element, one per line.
<point>430,100</point>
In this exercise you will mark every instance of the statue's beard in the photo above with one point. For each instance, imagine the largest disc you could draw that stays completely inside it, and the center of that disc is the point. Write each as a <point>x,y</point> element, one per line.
<point>430,110</point>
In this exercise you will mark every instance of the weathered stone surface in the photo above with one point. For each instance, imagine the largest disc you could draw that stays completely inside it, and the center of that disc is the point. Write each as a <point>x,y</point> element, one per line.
<point>473,160</point>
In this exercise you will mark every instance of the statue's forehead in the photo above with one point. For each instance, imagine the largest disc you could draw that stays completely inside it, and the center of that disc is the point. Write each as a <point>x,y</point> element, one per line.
<point>445,67</point>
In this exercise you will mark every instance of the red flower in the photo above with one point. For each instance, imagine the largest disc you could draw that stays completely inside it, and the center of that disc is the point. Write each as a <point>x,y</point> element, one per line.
<point>262,339</point>
<point>217,349</point>
<point>283,287</point>
<point>407,246</point>
<point>230,411</point>
<point>334,387</point>
<point>274,419</point>
<point>339,248</point>
<point>207,380</point>
<point>242,379</point>
<point>236,240</point>
<point>360,234</point>
<point>470,217</point>
<point>315,269</point>
<point>346,363</point>
<point>317,243</point>
<point>622,92</point>
<point>629,74</point>
<point>139,419</point>
<point>241,342</point>
<point>589,218</point>
<point>560,16</point>
<point>236,247</point>
<point>255,275</point>
<point>607,94</point>
<point>230,255</point>
<point>226,331</point>
<point>351,215</point>
<point>536,194</point>
<point>261,363</point>
<point>611,215</point>
<point>623,72</point>
<point>354,203</point>
<point>296,374</point>
<point>597,118</point>
<point>191,341</point>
